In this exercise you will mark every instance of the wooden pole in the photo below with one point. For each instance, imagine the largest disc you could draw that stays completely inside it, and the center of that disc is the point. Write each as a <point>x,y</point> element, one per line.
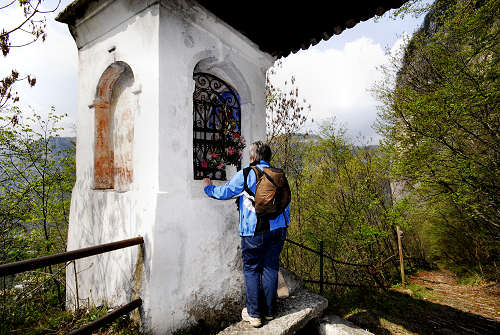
<point>399,232</point>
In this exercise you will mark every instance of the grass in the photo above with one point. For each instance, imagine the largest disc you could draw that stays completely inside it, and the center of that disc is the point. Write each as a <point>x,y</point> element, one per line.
<point>62,322</point>
<point>419,291</point>
<point>472,278</point>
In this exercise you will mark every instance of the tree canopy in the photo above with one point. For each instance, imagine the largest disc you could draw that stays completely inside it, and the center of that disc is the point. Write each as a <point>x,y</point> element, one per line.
<point>440,120</point>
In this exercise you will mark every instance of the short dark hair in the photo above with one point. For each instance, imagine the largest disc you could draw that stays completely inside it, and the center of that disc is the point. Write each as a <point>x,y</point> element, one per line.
<point>260,151</point>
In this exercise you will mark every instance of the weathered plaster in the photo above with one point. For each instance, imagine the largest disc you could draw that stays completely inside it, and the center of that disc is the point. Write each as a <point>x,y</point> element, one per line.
<point>114,119</point>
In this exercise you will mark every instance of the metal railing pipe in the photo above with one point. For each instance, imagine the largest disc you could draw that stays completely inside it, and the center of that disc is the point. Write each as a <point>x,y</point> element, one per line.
<point>340,284</point>
<point>108,318</point>
<point>34,263</point>
<point>303,246</point>
<point>326,256</point>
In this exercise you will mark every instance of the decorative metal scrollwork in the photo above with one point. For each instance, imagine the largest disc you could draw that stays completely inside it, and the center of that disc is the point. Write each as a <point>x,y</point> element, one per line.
<point>216,106</point>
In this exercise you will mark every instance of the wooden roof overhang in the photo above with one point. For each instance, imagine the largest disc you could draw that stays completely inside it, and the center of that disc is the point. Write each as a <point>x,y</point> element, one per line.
<point>278,27</point>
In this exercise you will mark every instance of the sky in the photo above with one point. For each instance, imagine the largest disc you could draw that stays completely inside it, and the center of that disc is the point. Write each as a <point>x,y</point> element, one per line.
<point>334,76</point>
<point>54,64</point>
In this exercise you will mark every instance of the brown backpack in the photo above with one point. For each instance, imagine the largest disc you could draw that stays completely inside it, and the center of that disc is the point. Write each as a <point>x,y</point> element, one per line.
<point>272,194</point>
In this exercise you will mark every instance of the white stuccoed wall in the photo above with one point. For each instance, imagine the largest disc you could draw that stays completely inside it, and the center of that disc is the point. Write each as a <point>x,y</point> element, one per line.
<point>189,269</point>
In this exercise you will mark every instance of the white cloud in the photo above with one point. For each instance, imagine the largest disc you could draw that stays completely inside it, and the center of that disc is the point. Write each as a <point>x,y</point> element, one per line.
<point>336,82</point>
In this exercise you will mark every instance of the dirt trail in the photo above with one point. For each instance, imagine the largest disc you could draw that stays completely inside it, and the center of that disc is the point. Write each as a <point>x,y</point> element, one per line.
<point>481,300</point>
<point>442,307</point>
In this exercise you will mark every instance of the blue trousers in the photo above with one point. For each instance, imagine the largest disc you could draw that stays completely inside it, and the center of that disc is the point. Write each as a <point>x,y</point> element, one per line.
<point>261,254</point>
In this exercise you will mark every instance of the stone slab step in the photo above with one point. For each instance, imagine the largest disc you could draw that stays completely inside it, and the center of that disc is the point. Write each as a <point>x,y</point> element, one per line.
<point>293,313</point>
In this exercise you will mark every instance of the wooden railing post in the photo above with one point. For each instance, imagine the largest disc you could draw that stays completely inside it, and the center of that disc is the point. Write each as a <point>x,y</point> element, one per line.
<point>321,267</point>
<point>401,263</point>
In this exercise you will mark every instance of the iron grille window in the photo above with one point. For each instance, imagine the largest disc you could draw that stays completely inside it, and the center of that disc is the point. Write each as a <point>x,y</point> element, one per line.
<point>215,106</point>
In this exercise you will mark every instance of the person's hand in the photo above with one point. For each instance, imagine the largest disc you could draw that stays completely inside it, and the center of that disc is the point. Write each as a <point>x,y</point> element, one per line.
<point>206,182</point>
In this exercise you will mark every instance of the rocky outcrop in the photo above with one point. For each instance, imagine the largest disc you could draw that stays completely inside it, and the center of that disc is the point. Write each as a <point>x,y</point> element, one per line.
<point>293,313</point>
<point>335,325</point>
<point>295,308</point>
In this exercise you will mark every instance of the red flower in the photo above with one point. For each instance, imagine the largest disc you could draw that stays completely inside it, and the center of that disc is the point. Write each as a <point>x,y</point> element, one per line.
<point>214,155</point>
<point>230,151</point>
<point>236,135</point>
<point>221,165</point>
<point>204,164</point>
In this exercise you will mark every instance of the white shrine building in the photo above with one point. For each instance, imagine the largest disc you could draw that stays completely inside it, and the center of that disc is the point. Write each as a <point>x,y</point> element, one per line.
<point>157,82</point>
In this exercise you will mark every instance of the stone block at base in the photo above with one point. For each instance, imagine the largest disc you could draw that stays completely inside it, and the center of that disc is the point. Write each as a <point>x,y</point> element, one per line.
<point>293,313</point>
<point>335,325</point>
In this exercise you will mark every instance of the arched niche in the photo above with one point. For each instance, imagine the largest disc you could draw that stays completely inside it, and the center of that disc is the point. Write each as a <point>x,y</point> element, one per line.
<point>227,71</point>
<point>114,128</point>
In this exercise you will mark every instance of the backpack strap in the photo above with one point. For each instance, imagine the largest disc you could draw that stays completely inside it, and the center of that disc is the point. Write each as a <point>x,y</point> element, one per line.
<point>246,171</point>
<point>258,172</point>
<point>269,178</point>
<point>246,189</point>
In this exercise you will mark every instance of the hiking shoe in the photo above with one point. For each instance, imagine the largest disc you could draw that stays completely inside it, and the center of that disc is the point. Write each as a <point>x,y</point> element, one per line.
<point>254,322</point>
<point>269,317</point>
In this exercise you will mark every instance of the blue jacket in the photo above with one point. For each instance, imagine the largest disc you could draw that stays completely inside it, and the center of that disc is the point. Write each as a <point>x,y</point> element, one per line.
<point>234,188</point>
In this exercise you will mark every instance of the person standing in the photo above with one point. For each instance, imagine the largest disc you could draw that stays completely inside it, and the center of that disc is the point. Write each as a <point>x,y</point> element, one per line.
<point>261,240</point>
